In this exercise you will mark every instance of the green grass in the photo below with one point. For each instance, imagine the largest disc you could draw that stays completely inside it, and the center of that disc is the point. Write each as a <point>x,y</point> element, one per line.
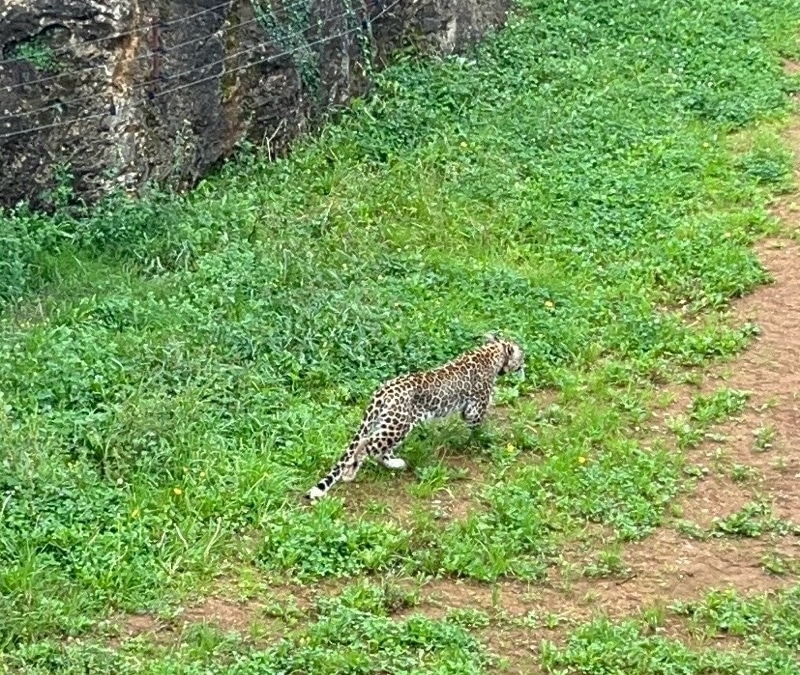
<point>352,633</point>
<point>175,372</point>
<point>703,413</point>
<point>768,627</point>
<point>37,53</point>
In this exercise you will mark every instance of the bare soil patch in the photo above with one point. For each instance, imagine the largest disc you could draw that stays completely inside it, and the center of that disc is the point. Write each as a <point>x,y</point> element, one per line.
<point>755,458</point>
<point>257,612</point>
<point>518,649</point>
<point>226,614</point>
<point>134,625</point>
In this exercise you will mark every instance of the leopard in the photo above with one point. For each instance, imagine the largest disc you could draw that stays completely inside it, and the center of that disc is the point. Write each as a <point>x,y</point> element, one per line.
<point>464,384</point>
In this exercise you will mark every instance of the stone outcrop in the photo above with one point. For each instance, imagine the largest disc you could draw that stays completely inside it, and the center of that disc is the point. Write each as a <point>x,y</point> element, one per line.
<point>128,92</point>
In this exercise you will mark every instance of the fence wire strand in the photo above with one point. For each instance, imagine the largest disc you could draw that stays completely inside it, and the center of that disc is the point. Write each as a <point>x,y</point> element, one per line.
<point>195,82</point>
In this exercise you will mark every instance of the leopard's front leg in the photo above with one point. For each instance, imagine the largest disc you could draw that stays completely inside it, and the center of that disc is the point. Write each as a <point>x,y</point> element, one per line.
<point>474,411</point>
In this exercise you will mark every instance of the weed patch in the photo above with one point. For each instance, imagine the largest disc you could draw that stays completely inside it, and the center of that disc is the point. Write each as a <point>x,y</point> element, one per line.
<point>352,633</point>
<point>769,626</point>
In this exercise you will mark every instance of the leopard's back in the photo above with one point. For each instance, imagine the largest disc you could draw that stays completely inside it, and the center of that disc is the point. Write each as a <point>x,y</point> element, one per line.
<point>440,391</point>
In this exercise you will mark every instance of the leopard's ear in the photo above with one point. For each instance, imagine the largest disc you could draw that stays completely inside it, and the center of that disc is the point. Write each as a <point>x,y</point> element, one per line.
<point>490,337</point>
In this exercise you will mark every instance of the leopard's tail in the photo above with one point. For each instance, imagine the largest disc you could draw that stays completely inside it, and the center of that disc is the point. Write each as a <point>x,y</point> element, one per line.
<point>352,457</point>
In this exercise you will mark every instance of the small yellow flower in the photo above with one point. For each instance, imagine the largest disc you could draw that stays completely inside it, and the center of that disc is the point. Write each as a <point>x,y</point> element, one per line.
<point>177,491</point>
<point>463,144</point>
<point>202,474</point>
<point>548,304</point>
<point>135,513</point>
<point>581,460</point>
<point>706,145</point>
<point>510,448</point>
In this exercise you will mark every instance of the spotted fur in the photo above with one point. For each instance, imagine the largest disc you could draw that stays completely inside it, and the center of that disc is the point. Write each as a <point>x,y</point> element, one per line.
<point>463,385</point>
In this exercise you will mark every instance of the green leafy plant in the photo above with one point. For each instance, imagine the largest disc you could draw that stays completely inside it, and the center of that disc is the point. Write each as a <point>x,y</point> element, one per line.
<point>38,53</point>
<point>752,520</point>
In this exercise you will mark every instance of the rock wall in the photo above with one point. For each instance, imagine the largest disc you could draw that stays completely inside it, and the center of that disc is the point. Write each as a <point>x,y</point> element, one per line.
<point>127,92</point>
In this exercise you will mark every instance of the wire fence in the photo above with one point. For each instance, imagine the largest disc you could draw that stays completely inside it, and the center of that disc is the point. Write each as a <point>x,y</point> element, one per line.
<point>134,31</point>
<point>139,57</point>
<point>201,70</point>
<point>163,79</point>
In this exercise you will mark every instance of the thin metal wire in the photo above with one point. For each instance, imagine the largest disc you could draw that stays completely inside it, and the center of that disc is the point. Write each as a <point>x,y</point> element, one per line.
<point>205,79</point>
<point>147,55</point>
<point>133,31</point>
<point>272,57</point>
<point>147,83</point>
<point>275,56</point>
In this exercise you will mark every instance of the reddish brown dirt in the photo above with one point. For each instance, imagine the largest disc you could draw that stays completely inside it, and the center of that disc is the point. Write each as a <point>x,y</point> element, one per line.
<point>757,456</point>
<point>139,624</point>
<point>666,567</point>
<point>228,615</point>
<point>224,614</point>
<point>791,67</point>
<point>518,648</point>
<point>771,371</point>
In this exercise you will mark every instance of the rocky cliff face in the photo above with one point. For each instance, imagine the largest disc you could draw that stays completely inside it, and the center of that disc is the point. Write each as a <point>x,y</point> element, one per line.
<point>125,92</point>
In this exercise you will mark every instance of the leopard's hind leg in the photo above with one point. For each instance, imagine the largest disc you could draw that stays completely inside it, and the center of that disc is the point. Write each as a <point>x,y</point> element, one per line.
<point>383,443</point>
<point>380,445</point>
<point>474,412</point>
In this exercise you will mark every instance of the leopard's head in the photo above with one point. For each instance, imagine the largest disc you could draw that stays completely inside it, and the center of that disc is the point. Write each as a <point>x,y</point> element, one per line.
<point>512,354</point>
